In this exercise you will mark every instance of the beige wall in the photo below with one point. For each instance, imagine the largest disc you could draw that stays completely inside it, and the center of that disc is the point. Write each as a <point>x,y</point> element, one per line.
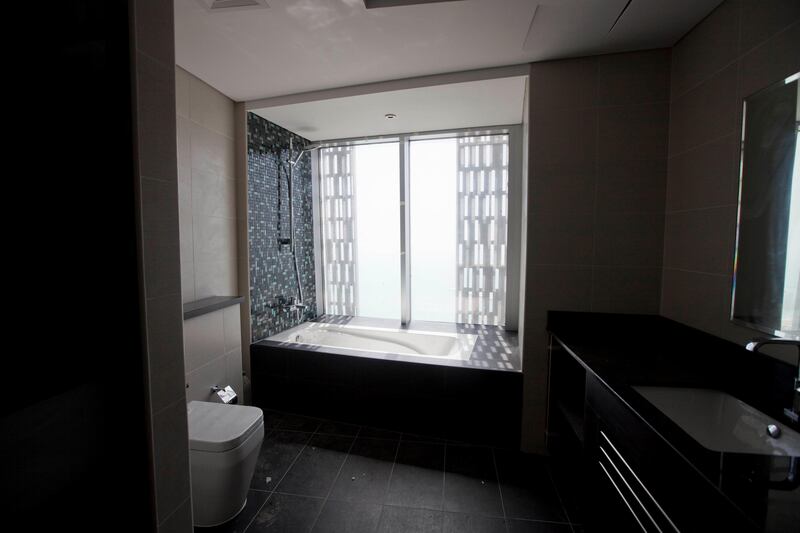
<point>596,180</point>
<point>742,46</point>
<point>207,189</point>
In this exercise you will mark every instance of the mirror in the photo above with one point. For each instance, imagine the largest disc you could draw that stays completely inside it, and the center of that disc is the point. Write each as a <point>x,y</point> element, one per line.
<point>767,261</point>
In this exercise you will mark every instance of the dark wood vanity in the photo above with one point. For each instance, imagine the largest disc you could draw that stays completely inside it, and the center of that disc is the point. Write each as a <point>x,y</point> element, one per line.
<point>639,470</point>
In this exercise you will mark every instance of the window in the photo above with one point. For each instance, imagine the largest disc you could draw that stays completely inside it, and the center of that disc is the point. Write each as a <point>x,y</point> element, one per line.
<point>456,218</point>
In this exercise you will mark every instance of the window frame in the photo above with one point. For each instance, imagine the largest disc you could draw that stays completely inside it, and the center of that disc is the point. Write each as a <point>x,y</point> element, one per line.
<point>514,230</point>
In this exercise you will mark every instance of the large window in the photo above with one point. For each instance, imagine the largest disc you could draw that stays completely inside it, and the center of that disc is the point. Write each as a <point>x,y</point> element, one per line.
<point>422,220</point>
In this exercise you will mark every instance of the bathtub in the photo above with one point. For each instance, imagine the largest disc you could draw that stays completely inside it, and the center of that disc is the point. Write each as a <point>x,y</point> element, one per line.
<point>453,346</point>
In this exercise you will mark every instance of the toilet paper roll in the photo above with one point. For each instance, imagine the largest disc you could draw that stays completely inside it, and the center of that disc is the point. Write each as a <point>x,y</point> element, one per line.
<point>227,395</point>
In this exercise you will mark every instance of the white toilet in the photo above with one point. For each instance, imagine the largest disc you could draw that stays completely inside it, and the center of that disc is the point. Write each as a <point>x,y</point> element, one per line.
<point>224,441</point>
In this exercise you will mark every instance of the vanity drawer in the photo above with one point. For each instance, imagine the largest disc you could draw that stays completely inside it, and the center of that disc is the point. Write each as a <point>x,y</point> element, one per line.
<point>662,490</point>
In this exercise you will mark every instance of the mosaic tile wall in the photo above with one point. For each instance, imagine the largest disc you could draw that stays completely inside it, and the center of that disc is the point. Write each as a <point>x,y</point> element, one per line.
<point>272,277</point>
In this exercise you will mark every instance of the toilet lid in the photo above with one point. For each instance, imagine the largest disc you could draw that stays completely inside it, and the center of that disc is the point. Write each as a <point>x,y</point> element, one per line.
<point>218,427</point>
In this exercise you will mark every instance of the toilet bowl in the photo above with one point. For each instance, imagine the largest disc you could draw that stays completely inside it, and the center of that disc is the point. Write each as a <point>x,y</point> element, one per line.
<point>224,441</point>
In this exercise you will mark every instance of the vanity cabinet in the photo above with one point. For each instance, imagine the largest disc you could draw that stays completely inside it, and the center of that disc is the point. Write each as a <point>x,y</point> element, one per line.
<point>635,480</point>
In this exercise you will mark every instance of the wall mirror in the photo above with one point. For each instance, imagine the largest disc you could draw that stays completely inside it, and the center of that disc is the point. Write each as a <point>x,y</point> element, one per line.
<point>767,261</point>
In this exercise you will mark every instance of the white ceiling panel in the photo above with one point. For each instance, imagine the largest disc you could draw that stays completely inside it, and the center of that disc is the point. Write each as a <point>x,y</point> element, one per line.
<point>458,105</point>
<point>298,46</point>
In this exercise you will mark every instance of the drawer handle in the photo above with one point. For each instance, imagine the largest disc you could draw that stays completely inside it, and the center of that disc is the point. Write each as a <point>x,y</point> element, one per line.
<point>625,481</point>
<point>622,496</point>
<point>639,481</point>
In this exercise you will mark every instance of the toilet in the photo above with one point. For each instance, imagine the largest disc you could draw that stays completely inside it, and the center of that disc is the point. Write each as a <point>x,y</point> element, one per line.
<point>224,441</point>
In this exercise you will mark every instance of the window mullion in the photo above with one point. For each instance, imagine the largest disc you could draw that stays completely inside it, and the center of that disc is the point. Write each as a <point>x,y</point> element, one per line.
<point>405,232</point>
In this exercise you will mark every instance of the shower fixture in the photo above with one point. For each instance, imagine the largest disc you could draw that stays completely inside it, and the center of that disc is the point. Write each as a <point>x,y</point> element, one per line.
<point>297,304</point>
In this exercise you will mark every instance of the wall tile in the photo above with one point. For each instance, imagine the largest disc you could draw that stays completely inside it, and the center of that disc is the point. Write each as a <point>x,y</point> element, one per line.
<point>215,260</point>
<point>766,19</point>
<point>182,89</point>
<point>633,132</point>
<point>231,318</point>
<point>633,78</point>
<point>212,152</point>
<point>204,339</point>
<point>701,240</point>
<point>559,237</point>
<point>774,60</point>
<point>154,30</point>
<point>552,191</point>
<point>180,521</point>
<point>564,141</point>
<point>211,108</point>
<point>570,83</point>
<point>187,281</point>
<point>558,288</point>
<point>271,266</point>
<point>165,350</point>
<point>626,290</point>
<point>696,299</point>
<point>183,132</point>
<point>629,239</point>
<point>213,195</point>
<point>707,48</point>
<point>705,113</point>
<point>632,186</point>
<point>705,176</point>
<point>160,243</point>
<point>201,380</point>
<point>171,458</point>
<point>233,370</point>
<point>156,119</point>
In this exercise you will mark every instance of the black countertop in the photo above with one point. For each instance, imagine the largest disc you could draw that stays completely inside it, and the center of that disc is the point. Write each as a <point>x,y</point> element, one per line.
<point>628,350</point>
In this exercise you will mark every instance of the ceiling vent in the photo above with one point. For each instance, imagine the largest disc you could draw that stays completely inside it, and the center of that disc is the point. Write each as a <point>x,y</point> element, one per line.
<point>216,6</point>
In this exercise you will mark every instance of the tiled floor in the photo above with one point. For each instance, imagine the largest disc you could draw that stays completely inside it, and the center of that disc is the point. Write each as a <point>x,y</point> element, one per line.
<point>323,476</point>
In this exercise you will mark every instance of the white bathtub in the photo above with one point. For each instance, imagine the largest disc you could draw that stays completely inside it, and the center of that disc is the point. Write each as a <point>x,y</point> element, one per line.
<point>456,346</point>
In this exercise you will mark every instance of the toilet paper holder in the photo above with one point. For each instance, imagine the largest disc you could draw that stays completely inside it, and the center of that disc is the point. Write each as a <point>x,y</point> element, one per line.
<point>226,394</point>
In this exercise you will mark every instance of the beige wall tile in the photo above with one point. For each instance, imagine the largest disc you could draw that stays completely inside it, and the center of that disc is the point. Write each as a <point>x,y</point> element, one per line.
<point>201,380</point>
<point>171,458</point>
<point>204,339</point>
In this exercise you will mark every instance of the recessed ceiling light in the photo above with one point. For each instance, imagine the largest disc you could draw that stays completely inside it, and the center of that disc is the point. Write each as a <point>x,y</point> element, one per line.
<point>390,115</point>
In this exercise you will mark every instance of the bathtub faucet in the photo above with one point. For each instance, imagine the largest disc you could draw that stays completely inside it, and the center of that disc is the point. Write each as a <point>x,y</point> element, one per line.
<point>299,308</point>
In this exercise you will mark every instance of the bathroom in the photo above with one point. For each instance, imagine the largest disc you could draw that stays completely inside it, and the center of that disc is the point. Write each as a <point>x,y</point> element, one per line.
<point>413,266</point>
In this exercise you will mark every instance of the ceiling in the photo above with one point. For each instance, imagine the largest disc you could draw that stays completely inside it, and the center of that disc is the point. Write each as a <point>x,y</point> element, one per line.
<point>492,102</point>
<point>296,46</point>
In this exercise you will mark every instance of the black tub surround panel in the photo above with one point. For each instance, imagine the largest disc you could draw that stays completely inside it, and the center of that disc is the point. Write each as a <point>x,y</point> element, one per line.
<point>597,359</point>
<point>272,278</point>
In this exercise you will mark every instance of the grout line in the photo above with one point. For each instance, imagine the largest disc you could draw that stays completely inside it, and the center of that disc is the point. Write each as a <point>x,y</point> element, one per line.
<point>389,481</point>
<point>272,492</point>
<point>335,479</point>
<point>500,490</point>
<point>558,495</point>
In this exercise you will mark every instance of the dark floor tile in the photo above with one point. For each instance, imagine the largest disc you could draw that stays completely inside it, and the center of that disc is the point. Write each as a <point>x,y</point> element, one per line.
<point>272,418</point>
<point>470,484</point>
<point>378,433</point>
<point>330,427</point>
<point>255,499</point>
<point>418,476</point>
<point>414,437</point>
<point>365,474</point>
<point>278,451</point>
<point>298,423</point>
<point>315,469</point>
<point>527,489</point>
<point>405,520</point>
<point>286,514</point>
<point>350,517</point>
<point>532,526</point>
<point>465,523</point>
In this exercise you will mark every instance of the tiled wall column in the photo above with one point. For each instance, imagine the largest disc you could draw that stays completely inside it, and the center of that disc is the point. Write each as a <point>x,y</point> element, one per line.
<point>743,46</point>
<point>156,177</point>
<point>596,179</point>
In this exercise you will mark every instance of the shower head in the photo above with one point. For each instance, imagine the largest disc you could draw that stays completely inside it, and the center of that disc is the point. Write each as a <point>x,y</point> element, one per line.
<point>306,148</point>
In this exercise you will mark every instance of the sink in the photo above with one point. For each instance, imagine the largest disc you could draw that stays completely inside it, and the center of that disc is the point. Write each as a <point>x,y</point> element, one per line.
<point>720,422</point>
